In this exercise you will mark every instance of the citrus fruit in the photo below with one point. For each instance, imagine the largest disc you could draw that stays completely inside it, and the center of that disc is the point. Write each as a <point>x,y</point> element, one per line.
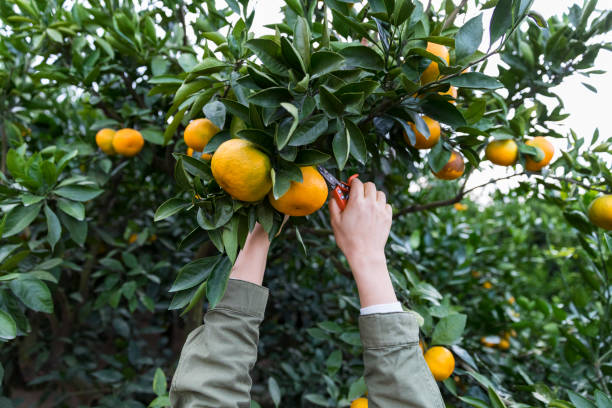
<point>302,198</point>
<point>511,300</point>
<point>104,140</point>
<point>133,238</point>
<point>198,133</point>
<point>360,403</point>
<point>441,362</point>
<point>204,156</point>
<point>600,212</point>
<point>546,147</point>
<point>487,285</point>
<point>504,344</point>
<point>453,169</point>
<point>128,142</point>
<point>502,152</point>
<point>432,72</point>
<point>460,207</point>
<point>421,141</point>
<point>452,92</point>
<point>490,341</point>
<point>242,170</point>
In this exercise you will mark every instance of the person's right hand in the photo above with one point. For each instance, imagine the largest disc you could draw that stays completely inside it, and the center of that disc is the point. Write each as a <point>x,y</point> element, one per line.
<point>361,232</point>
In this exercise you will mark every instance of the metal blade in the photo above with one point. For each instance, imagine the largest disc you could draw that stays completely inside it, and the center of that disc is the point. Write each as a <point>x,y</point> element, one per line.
<point>331,180</point>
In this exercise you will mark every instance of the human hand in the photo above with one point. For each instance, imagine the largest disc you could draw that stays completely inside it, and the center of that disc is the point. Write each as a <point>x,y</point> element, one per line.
<point>361,232</point>
<point>250,265</point>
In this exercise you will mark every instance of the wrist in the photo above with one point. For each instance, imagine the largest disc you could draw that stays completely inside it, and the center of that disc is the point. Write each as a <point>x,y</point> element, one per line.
<point>363,263</point>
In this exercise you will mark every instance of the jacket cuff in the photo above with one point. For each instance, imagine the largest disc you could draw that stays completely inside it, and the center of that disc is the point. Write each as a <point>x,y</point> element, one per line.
<point>244,297</point>
<point>388,329</point>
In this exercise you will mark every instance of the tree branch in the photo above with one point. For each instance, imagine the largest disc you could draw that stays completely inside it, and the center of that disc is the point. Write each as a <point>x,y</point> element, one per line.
<point>453,15</point>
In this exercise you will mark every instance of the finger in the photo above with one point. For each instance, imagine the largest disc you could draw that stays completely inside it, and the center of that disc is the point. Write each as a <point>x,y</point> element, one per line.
<point>381,197</point>
<point>356,192</point>
<point>370,190</point>
<point>334,210</point>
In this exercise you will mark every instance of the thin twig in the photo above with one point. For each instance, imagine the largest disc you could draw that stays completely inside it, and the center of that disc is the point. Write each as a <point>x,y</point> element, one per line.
<point>451,17</point>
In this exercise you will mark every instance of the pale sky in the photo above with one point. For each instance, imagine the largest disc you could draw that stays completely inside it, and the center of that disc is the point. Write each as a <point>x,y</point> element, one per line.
<point>587,110</point>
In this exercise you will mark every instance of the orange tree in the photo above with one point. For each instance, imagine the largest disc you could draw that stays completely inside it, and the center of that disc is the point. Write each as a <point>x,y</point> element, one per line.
<point>393,90</point>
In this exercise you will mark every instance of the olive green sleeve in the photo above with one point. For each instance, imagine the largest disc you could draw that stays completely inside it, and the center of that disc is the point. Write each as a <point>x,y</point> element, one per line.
<point>395,371</point>
<point>215,363</point>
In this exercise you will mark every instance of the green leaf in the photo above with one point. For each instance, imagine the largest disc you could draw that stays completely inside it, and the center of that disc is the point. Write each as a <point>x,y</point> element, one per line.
<point>330,104</point>
<point>324,62</point>
<point>286,128</point>
<point>357,389</point>
<point>218,281</point>
<point>301,39</point>
<point>271,97</point>
<point>161,401</point>
<point>78,192</point>
<point>215,111</point>
<point>229,236</point>
<point>159,382</point>
<point>34,293</point>
<point>341,146</point>
<point>170,207</point>
<point>54,228</point>
<point>449,329</point>
<point>309,157</point>
<point>496,401</point>
<point>363,57</point>
<point>77,229</point>
<point>468,38</point>
<point>501,20</point>
<point>208,66</point>
<point>475,80</point>
<point>259,137</point>
<point>334,362</point>
<point>309,131</point>
<point>8,327</point>
<point>291,56</point>
<point>357,146</point>
<point>6,250</point>
<point>194,273</point>
<point>19,218</point>
<point>317,399</point>
<point>438,157</point>
<point>282,177</point>
<point>602,400</point>
<point>275,391</point>
<point>267,51</point>
<point>439,109</point>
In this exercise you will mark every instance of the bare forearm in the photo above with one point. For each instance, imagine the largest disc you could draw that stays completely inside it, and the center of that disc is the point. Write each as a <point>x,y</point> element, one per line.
<point>251,262</point>
<point>373,280</point>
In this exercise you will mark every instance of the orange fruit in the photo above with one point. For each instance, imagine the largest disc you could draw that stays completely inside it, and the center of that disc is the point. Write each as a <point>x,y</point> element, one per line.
<point>198,133</point>
<point>104,140</point>
<point>511,300</point>
<point>153,238</point>
<point>504,344</point>
<point>421,141</point>
<point>452,92</point>
<point>360,403</point>
<point>487,285</point>
<point>432,72</point>
<point>128,142</point>
<point>302,198</point>
<point>502,152</point>
<point>600,212</point>
<point>441,362</point>
<point>453,169</point>
<point>242,170</point>
<point>490,341</point>
<point>133,238</point>
<point>460,207</point>
<point>546,147</point>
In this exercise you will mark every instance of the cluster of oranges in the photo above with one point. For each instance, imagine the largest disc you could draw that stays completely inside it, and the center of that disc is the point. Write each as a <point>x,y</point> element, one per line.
<point>500,342</point>
<point>125,142</point>
<point>500,152</point>
<point>244,172</point>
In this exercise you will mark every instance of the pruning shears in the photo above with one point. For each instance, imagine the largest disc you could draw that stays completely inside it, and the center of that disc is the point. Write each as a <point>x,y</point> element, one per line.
<point>340,189</point>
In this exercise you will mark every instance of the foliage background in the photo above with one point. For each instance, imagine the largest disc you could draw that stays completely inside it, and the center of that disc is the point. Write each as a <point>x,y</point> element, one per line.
<point>85,272</point>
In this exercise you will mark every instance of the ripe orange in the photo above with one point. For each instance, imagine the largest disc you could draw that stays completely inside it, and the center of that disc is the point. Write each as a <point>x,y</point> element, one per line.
<point>490,341</point>
<point>504,344</point>
<point>487,285</point>
<point>198,133</point>
<point>360,403</point>
<point>128,142</point>
<point>133,238</point>
<point>453,169</point>
<point>452,92</point>
<point>421,141</point>
<point>460,207</point>
<point>302,198</point>
<point>511,300</point>
<point>502,152</point>
<point>600,212</point>
<point>432,72</point>
<point>546,147</point>
<point>242,170</point>
<point>104,140</point>
<point>441,362</point>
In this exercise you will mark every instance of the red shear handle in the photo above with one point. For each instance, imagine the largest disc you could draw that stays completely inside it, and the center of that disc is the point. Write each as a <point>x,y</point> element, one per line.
<point>341,192</point>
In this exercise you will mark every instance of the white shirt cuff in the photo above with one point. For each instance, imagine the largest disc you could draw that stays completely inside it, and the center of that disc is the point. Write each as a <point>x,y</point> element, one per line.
<point>382,308</point>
